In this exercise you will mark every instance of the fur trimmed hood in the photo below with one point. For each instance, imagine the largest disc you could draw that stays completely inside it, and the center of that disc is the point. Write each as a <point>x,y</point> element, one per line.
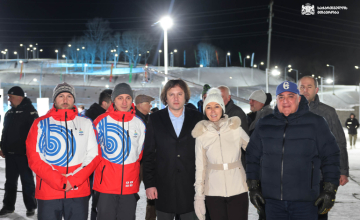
<point>206,125</point>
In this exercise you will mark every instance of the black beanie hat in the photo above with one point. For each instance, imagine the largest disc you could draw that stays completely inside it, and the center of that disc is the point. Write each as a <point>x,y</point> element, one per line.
<point>16,90</point>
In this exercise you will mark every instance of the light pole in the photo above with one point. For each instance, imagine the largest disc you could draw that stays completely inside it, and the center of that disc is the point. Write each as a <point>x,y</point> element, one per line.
<point>30,46</point>
<point>126,51</point>
<point>27,53</point>
<point>57,56</point>
<point>22,45</point>
<point>226,58</point>
<point>16,54</point>
<point>37,54</point>
<point>139,58</point>
<point>166,23</point>
<point>289,66</point>
<point>34,52</point>
<point>147,52</point>
<point>297,75</point>
<point>115,57</point>
<point>159,58</point>
<point>172,59</point>
<point>175,51</point>
<point>63,56</point>
<point>247,57</point>
<point>274,72</point>
<point>333,69</point>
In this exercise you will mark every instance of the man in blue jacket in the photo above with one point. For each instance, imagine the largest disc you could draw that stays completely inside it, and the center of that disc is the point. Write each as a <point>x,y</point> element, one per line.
<point>285,157</point>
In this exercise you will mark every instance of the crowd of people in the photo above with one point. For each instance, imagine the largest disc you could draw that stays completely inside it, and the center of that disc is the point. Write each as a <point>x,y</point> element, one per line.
<point>196,163</point>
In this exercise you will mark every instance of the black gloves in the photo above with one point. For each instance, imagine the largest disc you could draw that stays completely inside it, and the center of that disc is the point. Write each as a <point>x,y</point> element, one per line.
<point>256,197</point>
<point>326,198</point>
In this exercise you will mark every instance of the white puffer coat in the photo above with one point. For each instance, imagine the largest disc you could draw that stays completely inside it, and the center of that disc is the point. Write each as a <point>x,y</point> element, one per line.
<point>219,171</point>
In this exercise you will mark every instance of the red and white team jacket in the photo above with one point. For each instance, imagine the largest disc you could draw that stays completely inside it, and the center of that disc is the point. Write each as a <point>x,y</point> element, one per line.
<point>121,137</point>
<point>61,146</point>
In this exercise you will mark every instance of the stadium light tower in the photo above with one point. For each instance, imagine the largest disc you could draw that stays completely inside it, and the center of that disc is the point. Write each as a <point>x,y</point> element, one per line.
<point>333,81</point>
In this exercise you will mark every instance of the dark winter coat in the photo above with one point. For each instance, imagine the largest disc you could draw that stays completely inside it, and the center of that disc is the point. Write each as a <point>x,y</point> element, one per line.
<point>287,154</point>
<point>334,123</point>
<point>200,106</point>
<point>266,110</point>
<point>142,116</point>
<point>17,124</point>
<point>352,124</point>
<point>94,111</point>
<point>233,110</point>
<point>169,161</point>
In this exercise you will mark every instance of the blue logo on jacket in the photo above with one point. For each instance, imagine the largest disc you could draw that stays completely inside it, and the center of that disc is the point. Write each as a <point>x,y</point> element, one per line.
<point>50,145</point>
<point>110,134</point>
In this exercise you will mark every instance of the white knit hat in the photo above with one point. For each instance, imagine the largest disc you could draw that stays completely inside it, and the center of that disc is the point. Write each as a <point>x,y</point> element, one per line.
<point>259,96</point>
<point>214,95</point>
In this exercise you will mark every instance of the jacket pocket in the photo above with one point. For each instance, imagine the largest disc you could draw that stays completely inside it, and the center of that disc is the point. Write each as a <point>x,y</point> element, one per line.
<point>40,184</point>
<point>312,173</point>
<point>102,173</point>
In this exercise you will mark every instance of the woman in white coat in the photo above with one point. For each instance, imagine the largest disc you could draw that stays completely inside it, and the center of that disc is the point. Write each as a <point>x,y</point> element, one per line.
<point>220,176</point>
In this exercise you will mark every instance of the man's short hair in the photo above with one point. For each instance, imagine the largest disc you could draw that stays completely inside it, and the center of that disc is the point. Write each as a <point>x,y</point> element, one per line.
<point>225,87</point>
<point>310,77</point>
<point>171,84</point>
<point>104,96</point>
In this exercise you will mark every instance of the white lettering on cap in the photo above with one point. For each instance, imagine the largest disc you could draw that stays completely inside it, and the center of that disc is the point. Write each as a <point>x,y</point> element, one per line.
<point>286,85</point>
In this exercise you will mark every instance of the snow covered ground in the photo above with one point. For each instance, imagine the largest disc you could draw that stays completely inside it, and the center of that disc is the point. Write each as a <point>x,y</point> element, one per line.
<point>346,206</point>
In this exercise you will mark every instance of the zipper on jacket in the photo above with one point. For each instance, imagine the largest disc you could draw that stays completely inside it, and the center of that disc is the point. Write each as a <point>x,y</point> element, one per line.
<point>282,161</point>
<point>123,152</point>
<point>312,173</point>
<point>67,145</point>
<point>102,173</point>
<point>72,143</point>
<point>40,184</point>
<point>223,163</point>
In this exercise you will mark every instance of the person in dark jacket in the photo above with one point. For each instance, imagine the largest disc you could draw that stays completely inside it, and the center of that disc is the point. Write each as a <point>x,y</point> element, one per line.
<point>18,121</point>
<point>352,125</point>
<point>309,88</point>
<point>259,106</point>
<point>286,155</point>
<point>99,108</point>
<point>143,106</point>
<point>200,103</point>
<point>169,154</point>
<point>93,112</point>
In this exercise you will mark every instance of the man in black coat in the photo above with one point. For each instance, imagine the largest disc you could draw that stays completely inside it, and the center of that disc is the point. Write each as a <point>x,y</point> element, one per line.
<point>17,123</point>
<point>286,156</point>
<point>97,109</point>
<point>169,154</point>
<point>352,125</point>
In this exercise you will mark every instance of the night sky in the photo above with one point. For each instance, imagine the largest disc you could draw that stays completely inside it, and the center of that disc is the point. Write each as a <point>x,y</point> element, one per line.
<point>308,43</point>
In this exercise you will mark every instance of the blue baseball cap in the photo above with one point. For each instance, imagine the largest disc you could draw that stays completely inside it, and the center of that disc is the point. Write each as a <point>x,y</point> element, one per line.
<point>287,86</point>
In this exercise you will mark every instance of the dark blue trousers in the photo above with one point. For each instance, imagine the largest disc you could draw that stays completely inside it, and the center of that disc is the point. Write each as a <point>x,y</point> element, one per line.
<point>15,166</point>
<point>286,210</point>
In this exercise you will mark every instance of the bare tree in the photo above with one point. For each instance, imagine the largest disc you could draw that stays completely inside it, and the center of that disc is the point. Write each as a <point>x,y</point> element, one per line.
<point>116,43</point>
<point>207,54</point>
<point>136,42</point>
<point>104,49</point>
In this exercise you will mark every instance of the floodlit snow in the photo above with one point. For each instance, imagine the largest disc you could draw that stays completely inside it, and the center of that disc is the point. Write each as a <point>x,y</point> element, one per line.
<point>346,206</point>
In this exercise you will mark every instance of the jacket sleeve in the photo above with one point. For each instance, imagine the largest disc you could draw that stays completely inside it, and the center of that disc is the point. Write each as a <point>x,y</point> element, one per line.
<point>141,141</point>
<point>201,166</point>
<point>91,161</point>
<point>339,134</point>
<point>357,123</point>
<point>243,119</point>
<point>254,153</point>
<point>329,153</point>
<point>149,156</point>
<point>38,164</point>
<point>244,139</point>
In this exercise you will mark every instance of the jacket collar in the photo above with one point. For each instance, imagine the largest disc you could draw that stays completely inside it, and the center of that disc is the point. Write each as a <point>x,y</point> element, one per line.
<point>302,109</point>
<point>60,114</point>
<point>314,104</point>
<point>23,103</point>
<point>120,116</point>
<point>224,123</point>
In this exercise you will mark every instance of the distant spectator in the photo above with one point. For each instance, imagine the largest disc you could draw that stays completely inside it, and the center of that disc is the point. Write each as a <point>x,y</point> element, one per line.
<point>352,125</point>
<point>203,97</point>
